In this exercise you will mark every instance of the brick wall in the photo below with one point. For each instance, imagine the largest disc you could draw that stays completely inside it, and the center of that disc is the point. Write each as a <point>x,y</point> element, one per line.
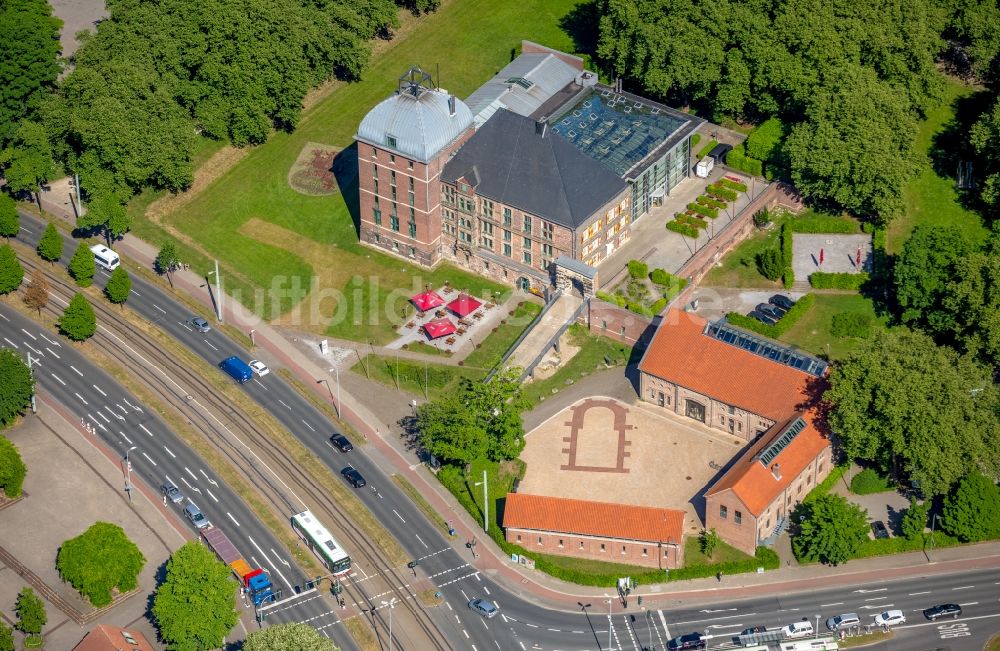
<point>738,527</point>
<point>609,320</point>
<point>611,550</point>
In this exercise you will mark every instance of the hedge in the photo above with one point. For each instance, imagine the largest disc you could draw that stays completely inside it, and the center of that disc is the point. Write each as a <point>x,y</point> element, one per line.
<point>664,278</point>
<point>733,185</point>
<point>765,557</point>
<point>658,306</point>
<point>637,269</point>
<point>786,243</point>
<point>616,299</point>
<point>709,201</point>
<point>722,192</point>
<point>781,327</point>
<point>683,229</point>
<point>868,481</point>
<point>822,280</point>
<point>695,139</point>
<point>703,210</point>
<point>738,160</point>
<point>788,278</point>
<point>764,140</point>
<point>822,224</point>
<point>707,148</point>
<point>691,220</point>
<point>824,486</point>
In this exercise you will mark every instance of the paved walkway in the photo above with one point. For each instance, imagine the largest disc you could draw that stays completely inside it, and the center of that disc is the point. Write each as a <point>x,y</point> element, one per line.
<point>542,333</point>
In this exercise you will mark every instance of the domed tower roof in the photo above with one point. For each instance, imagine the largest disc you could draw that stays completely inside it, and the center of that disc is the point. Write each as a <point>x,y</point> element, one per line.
<point>418,121</point>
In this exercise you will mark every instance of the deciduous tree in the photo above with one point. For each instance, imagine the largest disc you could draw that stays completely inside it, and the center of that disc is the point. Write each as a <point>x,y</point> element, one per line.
<point>972,512</point>
<point>27,161</point>
<point>16,388</point>
<point>12,469</point>
<point>30,62</point>
<point>30,609</point>
<point>50,246</point>
<point>10,222</point>
<point>100,560</point>
<point>11,271</point>
<point>922,273</point>
<point>82,266</point>
<point>118,286</point>
<point>36,296</point>
<point>708,541</point>
<point>193,608</point>
<point>915,519</point>
<point>288,637</point>
<point>78,321</point>
<point>832,529</point>
<point>166,260</point>
<point>6,637</point>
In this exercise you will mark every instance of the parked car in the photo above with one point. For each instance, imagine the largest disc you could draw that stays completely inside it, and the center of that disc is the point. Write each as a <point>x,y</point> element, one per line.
<point>943,610</point>
<point>340,442</point>
<point>484,607</point>
<point>689,641</point>
<point>844,621</point>
<point>799,629</point>
<point>353,477</point>
<point>880,530</point>
<point>772,311</point>
<point>719,152</point>
<point>194,514</point>
<point>890,618</point>
<point>781,301</point>
<point>763,318</point>
<point>259,367</point>
<point>199,324</point>
<point>170,491</point>
<point>753,630</point>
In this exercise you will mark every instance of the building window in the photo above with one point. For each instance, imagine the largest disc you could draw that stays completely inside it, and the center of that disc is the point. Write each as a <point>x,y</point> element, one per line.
<point>409,165</point>
<point>539,540</point>
<point>527,224</point>
<point>604,324</point>
<point>560,543</point>
<point>413,214</point>
<point>413,229</point>
<point>526,243</point>
<point>723,512</point>
<point>393,191</point>
<point>392,158</point>
<point>507,250</point>
<point>487,207</point>
<point>602,547</point>
<point>390,141</point>
<point>738,517</point>
<point>695,410</point>
<point>581,544</point>
<point>487,242</point>
<point>392,178</point>
<point>449,194</point>
<point>378,216</point>
<point>547,230</point>
<point>506,217</point>
<point>644,552</point>
<point>412,197</point>
<point>374,153</point>
<point>413,252</point>
<point>376,186</point>
<point>394,223</point>
<point>527,258</point>
<point>411,184</point>
<point>518,537</point>
<point>623,549</point>
<point>465,236</point>
<point>547,250</point>
<point>374,170</point>
<point>506,236</point>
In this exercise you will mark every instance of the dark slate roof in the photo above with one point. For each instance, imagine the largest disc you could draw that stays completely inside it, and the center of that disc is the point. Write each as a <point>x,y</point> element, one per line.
<point>519,162</point>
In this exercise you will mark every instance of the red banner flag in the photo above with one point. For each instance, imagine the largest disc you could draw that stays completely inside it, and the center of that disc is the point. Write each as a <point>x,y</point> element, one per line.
<point>821,256</point>
<point>858,260</point>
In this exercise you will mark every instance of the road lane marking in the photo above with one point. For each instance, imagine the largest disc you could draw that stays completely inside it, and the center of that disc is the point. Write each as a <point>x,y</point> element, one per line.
<point>159,308</point>
<point>207,478</point>
<point>232,518</point>
<point>99,390</point>
<point>308,425</point>
<point>210,344</point>
<point>74,369</point>
<point>135,292</point>
<point>81,399</point>
<point>284,403</point>
<point>144,429</point>
<point>57,379</point>
<point>914,594</point>
<point>188,471</point>
<point>4,318</point>
<point>52,353</point>
<point>838,603</point>
<point>106,419</point>
<point>663,620</point>
<point>169,452</point>
<point>252,541</point>
<point>122,434</point>
<point>11,343</point>
<point>421,541</point>
<point>283,561</point>
<point>971,603</point>
<point>33,337</point>
<point>149,457</point>
<point>963,587</point>
<point>33,349</point>
<point>399,516</point>
<point>54,343</point>
<point>212,496</point>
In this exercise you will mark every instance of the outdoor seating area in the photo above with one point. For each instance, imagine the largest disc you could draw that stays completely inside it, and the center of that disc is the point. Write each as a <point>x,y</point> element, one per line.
<point>446,318</point>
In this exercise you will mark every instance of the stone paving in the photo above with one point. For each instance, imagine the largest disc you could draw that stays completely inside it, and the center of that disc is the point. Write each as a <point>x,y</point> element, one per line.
<point>839,252</point>
<point>605,450</point>
<point>473,327</point>
<point>715,302</point>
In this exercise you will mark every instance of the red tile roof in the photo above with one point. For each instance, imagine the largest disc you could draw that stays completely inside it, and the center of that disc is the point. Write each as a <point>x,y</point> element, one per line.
<point>568,516</point>
<point>757,485</point>
<point>112,638</point>
<point>681,354</point>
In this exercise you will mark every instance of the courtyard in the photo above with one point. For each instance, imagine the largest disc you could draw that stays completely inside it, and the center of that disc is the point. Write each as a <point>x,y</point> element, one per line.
<point>605,450</point>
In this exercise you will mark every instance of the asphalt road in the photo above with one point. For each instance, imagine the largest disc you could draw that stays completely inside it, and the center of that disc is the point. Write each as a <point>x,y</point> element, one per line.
<point>156,454</point>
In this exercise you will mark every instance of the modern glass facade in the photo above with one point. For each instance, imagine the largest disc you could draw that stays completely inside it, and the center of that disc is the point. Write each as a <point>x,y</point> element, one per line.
<point>663,175</point>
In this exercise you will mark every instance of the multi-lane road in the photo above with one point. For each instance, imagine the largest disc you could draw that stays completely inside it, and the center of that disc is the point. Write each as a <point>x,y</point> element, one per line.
<point>521,624</point>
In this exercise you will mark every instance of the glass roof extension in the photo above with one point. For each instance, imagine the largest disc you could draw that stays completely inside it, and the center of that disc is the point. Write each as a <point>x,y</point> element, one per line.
<point>616,130</point>
<point>766,348</point>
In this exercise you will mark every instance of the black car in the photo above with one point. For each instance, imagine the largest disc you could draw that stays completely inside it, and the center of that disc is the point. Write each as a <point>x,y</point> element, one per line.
<point>689,641</point>
<point>943,610</point>
<point>354,477</point>
<point>878,528</point>
<point>772,311</point>
<point>781,301</point>
<point>753,630</point>
<point>340,442</point>
<point>760,316</point>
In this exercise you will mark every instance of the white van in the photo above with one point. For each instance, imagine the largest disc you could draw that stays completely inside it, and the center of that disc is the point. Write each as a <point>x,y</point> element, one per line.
<point>104,257</point>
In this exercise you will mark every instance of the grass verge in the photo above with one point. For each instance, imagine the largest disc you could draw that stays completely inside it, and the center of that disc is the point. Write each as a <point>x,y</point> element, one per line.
<point>422,504</point>
<point>362,633</point>
<point>812,332</point>
<point>595,351</point>
<point>492,349</point>
<point>865,640</point>
<point>419,378</point>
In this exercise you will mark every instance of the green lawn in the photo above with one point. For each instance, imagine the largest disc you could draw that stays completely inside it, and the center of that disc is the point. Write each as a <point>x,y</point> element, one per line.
<point>930,198</point>
<point>495,346</point>
<point>594,352</point>
<point>812,332</point>
<point>724,553</point>
<point>294,237</point>
<point>420,378</point>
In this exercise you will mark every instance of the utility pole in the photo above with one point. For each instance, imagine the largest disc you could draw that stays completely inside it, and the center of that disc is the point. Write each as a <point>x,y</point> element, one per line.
<point>218,291</point>
<point>391,604</point>
<point>31,373</point>
<point>610,601</point>
<point>128,473</point>
<point>486,503</point>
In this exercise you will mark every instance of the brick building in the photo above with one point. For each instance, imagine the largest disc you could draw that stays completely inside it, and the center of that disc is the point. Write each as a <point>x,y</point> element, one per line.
<point>112,638</point>
<point>541,162</point>
<point>753,388</point>
<point>615,533</point>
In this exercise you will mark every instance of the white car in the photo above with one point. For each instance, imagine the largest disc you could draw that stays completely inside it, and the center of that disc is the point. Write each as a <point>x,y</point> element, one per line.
<point>259,367</point>
<point>799,629</point>
<point>890,618</point>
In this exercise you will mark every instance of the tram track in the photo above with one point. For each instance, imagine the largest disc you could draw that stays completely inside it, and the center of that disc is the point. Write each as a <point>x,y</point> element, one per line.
<point>247,447</point>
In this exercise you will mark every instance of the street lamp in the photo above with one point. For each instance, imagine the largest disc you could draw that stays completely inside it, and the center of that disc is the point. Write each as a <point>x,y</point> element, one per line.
<point>610,601</point>
<point>391,604</point>
<point>218,290</point>
<point>336,370</point>
<point>817,626</point>
<point>128,474</point>
<point>933,522</point>
<point>486,503</point>
<point>253,344</point>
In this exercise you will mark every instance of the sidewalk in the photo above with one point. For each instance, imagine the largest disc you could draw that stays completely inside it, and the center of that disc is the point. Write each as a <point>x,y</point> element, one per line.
<point>386,438</point>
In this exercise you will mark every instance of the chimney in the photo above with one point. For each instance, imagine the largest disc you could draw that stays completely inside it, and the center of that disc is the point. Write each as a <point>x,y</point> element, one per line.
<point>451,105</point>
<point>776,470</point>
<point>541,128</point>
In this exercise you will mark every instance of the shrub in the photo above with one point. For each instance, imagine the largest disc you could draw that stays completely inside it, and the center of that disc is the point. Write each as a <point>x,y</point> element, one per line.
<point>868,481</point>
<point>915,519</point>
<point>100,560</point>
<point>707,148</point>
<point>616,299</point>
<point>722,192</point>
<point>818,223</point>
<point>695,139</point>
<point>691,220</point>
<point>683,229</point>
<point>788,278</point>
<point>703,210</point>
<point>638,308</point>
<point>761,218</point>
<point>709,201</point>
<point>658,306</point>
<point>637,269</point>
<point>821,280</point>
<point>762,143</point>
<point>781,327</point>
<point>738,160</point>
<point>733,185</point>
<point>786,244</point>
<point>769,263</point>
<point>851,324</point>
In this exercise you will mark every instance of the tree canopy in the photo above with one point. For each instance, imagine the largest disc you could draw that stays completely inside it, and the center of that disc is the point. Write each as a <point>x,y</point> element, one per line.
<point>288,637</point>
<point>30,609</point>
<point>82,266</point>
<point>27,161</point>
<point>11,271</point>
<point>118,286</point>
<point>193,607</point>
<point>78,321</point>
<point>10,222</point>
<point>6,637</point>
<point>50,245</point>
<point>30,62</point>
<point>915,408</point>
<point>100,559</point>
<point>972,512</point>
<point>832,530</point>
<point>16,388</point>
<point>12,469</point>
<point>36,296</point>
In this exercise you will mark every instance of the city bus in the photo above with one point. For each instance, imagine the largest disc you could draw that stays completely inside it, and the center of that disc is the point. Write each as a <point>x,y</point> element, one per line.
<point>324,545</point>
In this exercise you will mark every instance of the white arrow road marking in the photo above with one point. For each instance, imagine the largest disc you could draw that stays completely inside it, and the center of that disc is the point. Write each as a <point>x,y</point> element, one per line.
<point>276,555</point>
<point>212,496</point>
<point>144,429</point>
<point>125,400</point>
<point>97,422</point>
<point>54,343</point>
<point>149,457</point>
<point>232,518</point>
<point>254,543</point>
<point>57,379</point>
<point>33,349</point>
<point>99,390</point>
<point>210,481</point>
<point>81,399</point>
<point>194,488</point>
<point>52,353</point>
<point>122,434</point>
<point>74,369</point>
<point>169,452</point>
<point>33,337</point>
<point>11,343</point>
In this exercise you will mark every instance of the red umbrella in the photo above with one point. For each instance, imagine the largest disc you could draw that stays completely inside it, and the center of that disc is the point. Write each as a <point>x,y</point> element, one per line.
<point>857,262</point>
<point>439,328</point>
<point>821,256</point>
<point>464,305</point>
<point>427,301</point>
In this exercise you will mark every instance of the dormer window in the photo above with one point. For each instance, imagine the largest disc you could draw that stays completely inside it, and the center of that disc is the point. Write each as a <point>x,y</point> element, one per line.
<point>390,141</point>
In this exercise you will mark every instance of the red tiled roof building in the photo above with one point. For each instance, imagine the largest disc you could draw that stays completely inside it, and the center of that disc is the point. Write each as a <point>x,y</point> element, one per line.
<point>765,402</point>
<point>111,638</point>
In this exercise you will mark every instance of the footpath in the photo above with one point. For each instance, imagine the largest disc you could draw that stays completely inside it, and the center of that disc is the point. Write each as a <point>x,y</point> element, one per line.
<point>385,435</point>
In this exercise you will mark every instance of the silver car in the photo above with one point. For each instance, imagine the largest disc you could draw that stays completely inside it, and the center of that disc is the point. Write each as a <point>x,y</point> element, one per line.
<point>484,607</point>
<point>171,492</point>
<point>197,518</point>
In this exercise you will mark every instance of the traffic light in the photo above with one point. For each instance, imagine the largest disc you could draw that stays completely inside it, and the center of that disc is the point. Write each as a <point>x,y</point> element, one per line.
<point>640,600</point>
<point>413,564</point>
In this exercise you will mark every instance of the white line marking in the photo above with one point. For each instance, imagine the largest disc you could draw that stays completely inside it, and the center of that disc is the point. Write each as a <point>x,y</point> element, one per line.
<point>81,399</point>
<point>399,516</point>
<point>135,292</point>
<point>308,425</point>
<point>149,457</point>
<point>169,452</point>
<point>11,343</point>
<point>33,337</point>
<point>122,434</point>
<point>144,429</point>
<point>838,603</point>
<point>99,390</point>
<point>74,369</point>
<point>663,620</point>
<point>212,496</point>
<point>284,403</point>
<point>106,420</point>
<point>42,335</point>
<point>52,353</point>
<point>207,478</point>
<point>33,349</point>
<point>421,541</point>
<point>210,344</point>
<point>232,518</point>
<point>963,587</point>
<point>159,308</point>
<point>4,318</point>
<point>914,594</point>
<point>971,603</point>
<point>188,471</point>
<point>57,379</point>
<point>270,563</point>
